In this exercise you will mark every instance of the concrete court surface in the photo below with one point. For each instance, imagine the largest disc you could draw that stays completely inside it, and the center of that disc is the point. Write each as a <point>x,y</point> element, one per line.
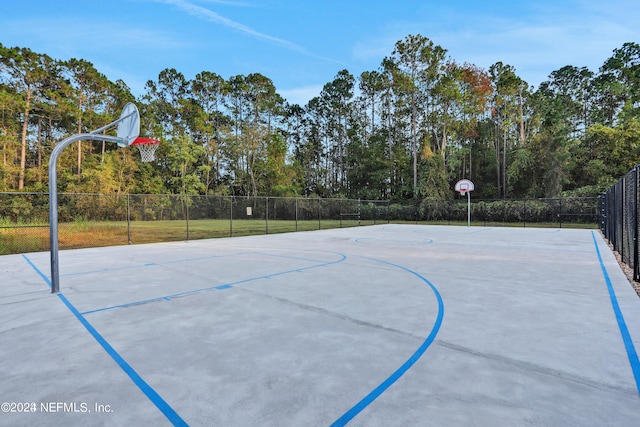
<point>387,325</point>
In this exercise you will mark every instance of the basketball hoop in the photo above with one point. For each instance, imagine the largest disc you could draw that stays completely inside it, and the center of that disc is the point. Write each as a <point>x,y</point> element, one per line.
<point>465,187</point>
<point>147,148</point>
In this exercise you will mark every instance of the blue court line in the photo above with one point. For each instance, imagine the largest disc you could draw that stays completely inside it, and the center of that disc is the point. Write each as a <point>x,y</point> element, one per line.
<point>151,264</point>
<point>375,393</point>
<point>421,241</point>
<point>288,256</point>
<point>624,331</point>
<point>217,287</point>
<point>153,396</point>
<point>104,270</point>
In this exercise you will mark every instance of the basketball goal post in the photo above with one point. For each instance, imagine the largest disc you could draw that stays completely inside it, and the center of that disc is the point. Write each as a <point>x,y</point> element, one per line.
<point>464,186</point>
<point>128,129</point>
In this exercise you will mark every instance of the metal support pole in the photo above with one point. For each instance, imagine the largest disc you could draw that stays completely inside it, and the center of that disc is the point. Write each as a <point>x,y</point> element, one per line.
<point>53,199</point>
<point>468,209</point>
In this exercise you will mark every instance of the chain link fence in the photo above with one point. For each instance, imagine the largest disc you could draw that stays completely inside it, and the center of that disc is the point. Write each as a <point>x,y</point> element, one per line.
<point>619,219</point>
<point>91,220</point>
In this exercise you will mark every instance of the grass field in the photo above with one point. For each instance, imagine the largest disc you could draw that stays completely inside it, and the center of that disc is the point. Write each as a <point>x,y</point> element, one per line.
<point>85,234</point>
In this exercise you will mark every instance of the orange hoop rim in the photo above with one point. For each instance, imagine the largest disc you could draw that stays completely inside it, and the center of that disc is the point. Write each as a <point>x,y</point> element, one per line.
<point>141,140</point>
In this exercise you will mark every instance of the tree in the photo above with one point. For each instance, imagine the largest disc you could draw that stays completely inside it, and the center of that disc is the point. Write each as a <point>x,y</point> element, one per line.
<point>414,126</point>
<point>447,97</point>
<point>624,67</point>
<point>87,91</point>
<point>182,155</point>
<point>570,86</point>
<point>9,131</point>
<point>166,99</point>
<point>434,184</point>
<point>276,176</point>
<point>28,73</point>
<point>208,91</point>
<point>507,118</point>
<point>335,99</point>
<point>417,66</point>
<point>476,90</point>
<point>372,85</point>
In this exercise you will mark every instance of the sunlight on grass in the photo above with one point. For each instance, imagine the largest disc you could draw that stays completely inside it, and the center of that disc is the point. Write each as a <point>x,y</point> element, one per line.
<point>81,233</point>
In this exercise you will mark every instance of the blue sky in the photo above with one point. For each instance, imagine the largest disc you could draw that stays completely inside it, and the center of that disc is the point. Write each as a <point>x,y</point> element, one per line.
<point>302,44</point>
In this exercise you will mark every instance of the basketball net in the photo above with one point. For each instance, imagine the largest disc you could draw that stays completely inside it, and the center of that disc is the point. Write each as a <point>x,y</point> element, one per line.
<point>147,148</point>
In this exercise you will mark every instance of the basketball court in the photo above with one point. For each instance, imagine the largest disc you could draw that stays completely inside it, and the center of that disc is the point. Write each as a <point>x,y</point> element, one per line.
<point>387,325</point>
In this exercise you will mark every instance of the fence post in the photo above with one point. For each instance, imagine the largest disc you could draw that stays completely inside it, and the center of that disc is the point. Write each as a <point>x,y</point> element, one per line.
<point>636,268</point>
<point>296,213</point>
<point>375,213</point>
<point>266,215</point>
<point>319,214</point>
<point>560,214</point>
<point>128,219</point>
<point>186,201</point>
<point>230,216</point>
<point>388,211</point>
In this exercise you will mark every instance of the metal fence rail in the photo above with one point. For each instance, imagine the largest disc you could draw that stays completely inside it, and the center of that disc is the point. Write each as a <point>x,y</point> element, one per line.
<point>619,218</point>
<point>90,220</point>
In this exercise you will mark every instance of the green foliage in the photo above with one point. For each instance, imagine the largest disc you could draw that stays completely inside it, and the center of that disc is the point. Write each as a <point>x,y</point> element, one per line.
<point>417,125</point>
<point>433,183</point>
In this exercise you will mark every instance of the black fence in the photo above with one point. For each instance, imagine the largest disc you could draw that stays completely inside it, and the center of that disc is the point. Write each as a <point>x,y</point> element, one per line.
<point>91,220</point>
<point>619,219</point>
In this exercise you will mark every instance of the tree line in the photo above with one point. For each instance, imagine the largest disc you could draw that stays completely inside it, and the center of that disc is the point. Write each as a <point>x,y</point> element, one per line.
<point>408,130</point>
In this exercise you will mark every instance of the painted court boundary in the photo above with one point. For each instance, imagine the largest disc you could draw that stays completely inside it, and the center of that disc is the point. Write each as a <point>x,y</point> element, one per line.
<point>624,331</point>
<point>224,286</point>
<point>153,396</point>
<point>376,392</point>
<point>172,415</point>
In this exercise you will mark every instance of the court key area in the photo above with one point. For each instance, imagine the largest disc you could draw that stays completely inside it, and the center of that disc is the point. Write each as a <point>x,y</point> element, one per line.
<point>386,325</point>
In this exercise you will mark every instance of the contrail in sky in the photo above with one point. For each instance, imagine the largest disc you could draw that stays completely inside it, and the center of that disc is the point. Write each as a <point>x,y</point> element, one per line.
<point>211,16</point>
